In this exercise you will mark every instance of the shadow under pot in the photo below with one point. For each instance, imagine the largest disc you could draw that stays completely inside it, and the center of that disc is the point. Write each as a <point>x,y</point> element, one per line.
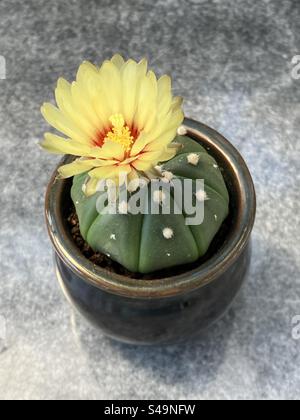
<point>172,305</point>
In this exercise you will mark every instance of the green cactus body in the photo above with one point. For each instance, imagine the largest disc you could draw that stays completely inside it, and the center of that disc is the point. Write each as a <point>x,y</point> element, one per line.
<point>151,242</point>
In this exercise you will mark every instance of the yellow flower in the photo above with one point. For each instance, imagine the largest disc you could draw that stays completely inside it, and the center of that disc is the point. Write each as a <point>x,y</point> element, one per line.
<point>118,119</point>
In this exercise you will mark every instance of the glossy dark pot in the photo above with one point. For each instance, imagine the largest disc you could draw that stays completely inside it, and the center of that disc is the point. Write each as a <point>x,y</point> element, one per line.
<point>166,309</point>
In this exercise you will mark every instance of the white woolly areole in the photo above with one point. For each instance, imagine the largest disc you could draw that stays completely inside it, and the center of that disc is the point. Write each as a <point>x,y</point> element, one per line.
<point>113,237</point>
<point>159,196</point>
<point>193,159</point>
<point>168,175</point>
<point>201,195</point>
<point>182,131</point>
<point>168,233</point>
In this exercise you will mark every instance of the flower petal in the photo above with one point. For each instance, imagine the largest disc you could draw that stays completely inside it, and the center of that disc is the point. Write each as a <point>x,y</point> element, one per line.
<point>118,61</point>
<point>150,113</point>
<point>59,145</point>
<point>59,121</point>
<point>65,103</point>
<point>91,186</point>
<point>169,133</point>
<point>142,165</point>
<point>104,162</point>
<point>110,150</point>
<point>75,168</point>
<point>164,99</point>
<point>86,91</point>
<point>109,171</point>
<point>140,143</point>
<point>83,102</point>
<point>150,156</point>
<point>132,75</point>
<point>110,79</point>
<point>167,154</point>
<point>146,101</point>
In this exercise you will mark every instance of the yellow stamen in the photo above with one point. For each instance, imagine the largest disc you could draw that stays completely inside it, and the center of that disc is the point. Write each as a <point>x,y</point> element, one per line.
<point>120,133</point>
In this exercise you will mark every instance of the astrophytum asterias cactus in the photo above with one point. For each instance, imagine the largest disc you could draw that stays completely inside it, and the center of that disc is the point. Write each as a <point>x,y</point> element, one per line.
<point>119,122</point>
<point>149,242</point>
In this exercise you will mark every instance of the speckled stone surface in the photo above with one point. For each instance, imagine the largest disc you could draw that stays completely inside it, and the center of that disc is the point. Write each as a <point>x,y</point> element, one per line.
<point>231,60</point>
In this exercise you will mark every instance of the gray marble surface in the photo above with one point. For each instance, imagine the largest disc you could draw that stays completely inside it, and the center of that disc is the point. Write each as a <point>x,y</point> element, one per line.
<point>231,60</point>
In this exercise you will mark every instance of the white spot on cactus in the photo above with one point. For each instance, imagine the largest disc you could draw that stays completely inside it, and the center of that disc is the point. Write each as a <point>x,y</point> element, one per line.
<point>123,207</point>
<point>168,233</point>
<point>159,196</point>
<point>168,254</point>
<point>84,188</point>
<point>216,217</point>
<point>77,202</point>
<point>216,166</point>
<point>193,159</point>
<point>167,176</point>
<point>201,195</point>
<point>113,237</point>
<point>182,131</point>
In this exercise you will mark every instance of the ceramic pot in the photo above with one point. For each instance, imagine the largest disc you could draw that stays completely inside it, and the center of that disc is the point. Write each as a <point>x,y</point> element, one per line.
<point>165,309</point>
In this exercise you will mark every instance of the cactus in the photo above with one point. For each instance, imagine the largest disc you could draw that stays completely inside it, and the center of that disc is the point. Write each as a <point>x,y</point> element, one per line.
<point>151,242</point>
<point>119,119</point>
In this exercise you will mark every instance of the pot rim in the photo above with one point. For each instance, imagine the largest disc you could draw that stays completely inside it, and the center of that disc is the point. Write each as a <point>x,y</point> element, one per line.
<point>195,278</point>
